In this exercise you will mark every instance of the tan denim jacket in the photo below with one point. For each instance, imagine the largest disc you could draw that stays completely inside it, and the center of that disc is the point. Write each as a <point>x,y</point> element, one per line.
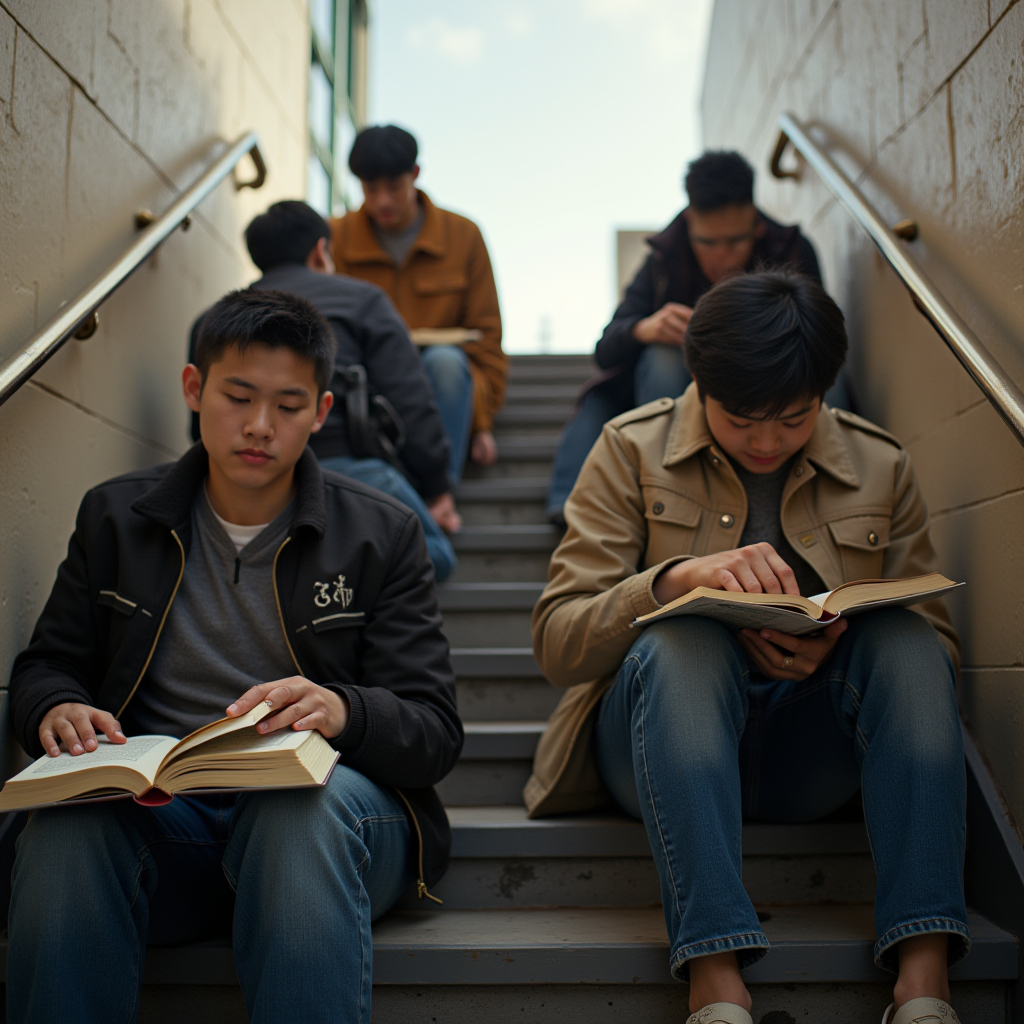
<point>656,489</point>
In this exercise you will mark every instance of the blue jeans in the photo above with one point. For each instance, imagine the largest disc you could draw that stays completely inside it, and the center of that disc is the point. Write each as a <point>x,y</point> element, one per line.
<point>692,741</point>
<point>309,868</point>
<point>382,475</point>
<point>660,372</point>
<point>447,369</point>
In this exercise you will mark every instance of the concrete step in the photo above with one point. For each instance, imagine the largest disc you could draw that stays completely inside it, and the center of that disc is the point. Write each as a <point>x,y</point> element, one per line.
<point>520,393</point>
<point>501,700</point>
<point>488,597</point>
<point>549,414</point>
<point>528,448</point>
<point>593,946</point>
<point>540,537</point>
<point>498,566</point>
<point>497,782</point>
<point>509,740</point>
<point>477,629</point>
<point>495,663</point>
<point>500,858</point>
<point>502,490</point>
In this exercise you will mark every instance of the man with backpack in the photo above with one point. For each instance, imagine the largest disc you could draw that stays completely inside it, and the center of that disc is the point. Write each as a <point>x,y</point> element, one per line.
<point>384,429</point>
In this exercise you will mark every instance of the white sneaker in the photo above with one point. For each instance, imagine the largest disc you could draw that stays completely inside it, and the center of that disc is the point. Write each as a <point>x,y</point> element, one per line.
<point>924,1010</point>
<point>720,1013</point>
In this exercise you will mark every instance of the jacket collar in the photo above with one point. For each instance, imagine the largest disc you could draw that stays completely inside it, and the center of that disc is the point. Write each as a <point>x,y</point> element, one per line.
<point>361,245</point>
<point>170,501</point>
<point>689,434</point>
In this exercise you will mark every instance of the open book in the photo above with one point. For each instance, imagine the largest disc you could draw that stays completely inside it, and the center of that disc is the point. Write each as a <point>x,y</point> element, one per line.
<point>227,754</point>
<point>798,615</point>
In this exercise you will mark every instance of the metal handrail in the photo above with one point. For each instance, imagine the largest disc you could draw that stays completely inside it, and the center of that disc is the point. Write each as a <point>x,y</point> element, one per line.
<point>81,313</point>
<point>995,383</point>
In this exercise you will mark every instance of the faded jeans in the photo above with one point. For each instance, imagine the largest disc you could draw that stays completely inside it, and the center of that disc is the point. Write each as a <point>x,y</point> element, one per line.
<point>447,369</point>
<point>382,475</point>
<point>693,741</point>
<point>310,868</point>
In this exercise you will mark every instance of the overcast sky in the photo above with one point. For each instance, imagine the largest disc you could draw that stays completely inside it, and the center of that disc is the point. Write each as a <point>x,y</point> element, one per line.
<point>550,123</point>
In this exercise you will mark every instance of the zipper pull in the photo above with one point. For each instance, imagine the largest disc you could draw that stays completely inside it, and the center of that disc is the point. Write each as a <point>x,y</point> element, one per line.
<point>421,891</point>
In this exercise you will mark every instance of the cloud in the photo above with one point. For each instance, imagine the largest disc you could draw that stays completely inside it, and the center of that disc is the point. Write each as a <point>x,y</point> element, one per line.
<point>671,29</point>
<point>517,23</point>
<point>462,45</point>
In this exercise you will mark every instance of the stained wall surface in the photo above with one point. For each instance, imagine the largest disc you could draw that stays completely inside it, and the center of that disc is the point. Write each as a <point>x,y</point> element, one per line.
<point>922,103</point>
<point>107,107</point>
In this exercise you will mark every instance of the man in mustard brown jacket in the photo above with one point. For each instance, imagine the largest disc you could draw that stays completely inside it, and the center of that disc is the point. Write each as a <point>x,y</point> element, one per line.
<point>749,482</point>
<point>434,266</point>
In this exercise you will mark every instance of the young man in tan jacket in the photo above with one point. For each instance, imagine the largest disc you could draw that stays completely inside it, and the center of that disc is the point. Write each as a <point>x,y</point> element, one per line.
<point>434,266</point>
<point>748,482</point>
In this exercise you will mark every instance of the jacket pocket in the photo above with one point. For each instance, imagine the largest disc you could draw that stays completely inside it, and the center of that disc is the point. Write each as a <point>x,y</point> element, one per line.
<point>444,282</point>
<point>862,542</point>
<point>112,599</point>
<point>339,620</point>
<point>672,521</point>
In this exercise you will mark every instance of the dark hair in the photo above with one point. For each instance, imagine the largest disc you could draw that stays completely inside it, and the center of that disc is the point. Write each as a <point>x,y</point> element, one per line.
<point>382,151</point>
<point>277,319</point>
<point>719,178</point>
<point>760,342</point>
<point>286,233</point>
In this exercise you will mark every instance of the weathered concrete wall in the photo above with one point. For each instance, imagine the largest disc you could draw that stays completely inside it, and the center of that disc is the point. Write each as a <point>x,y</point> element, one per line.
<point>106,107</point>
<point>922,102</point>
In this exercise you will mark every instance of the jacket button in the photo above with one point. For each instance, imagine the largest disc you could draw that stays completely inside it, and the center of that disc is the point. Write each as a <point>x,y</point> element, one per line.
<point>657,508</point>
<point>799,471</point>
<point>872,538</point>
<point>715,460</point>
<point>727,520</point>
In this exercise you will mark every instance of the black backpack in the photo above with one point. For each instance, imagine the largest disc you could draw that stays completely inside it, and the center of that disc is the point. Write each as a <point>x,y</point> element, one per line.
<point>375,430</point>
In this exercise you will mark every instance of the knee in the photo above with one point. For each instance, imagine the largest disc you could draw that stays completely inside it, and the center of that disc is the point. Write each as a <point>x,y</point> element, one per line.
<point>446,361</point>
<point>903,647</point>
<point>694,659</point>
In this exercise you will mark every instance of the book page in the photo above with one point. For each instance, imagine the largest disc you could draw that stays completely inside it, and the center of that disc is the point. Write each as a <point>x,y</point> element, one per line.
<point>740,615</point>
<point>142,754</point>
<point>221,727</point>
<point>896,591</point>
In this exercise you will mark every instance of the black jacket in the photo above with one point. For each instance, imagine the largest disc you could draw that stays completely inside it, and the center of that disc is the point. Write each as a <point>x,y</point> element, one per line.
<point>369,331</point>
<point>391,660</point>
<point>672,274</point>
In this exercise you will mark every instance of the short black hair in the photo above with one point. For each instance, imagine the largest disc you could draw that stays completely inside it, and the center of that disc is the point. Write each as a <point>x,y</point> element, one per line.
<point>382,151</point>
<point>276,319</point>
<point>758,343</point>
<point>286,233</point>
<point>719,178</point>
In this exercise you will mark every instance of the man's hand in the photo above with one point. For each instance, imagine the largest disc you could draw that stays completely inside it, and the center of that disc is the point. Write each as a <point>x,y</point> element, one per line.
<point>756,569</point>
<point>76,725</point>
<point>781,656</point>
<point>443,512</point>
<point>483,449</point>
<point>299,704</point>
<point>666,327</point>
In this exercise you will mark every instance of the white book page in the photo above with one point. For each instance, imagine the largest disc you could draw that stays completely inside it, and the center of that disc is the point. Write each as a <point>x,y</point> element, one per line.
<point>142,754</point>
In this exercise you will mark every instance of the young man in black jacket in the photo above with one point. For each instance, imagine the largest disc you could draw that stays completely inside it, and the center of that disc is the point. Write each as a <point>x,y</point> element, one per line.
<point>640,354</point>
<point>290,244</point>
<point>239,574</point>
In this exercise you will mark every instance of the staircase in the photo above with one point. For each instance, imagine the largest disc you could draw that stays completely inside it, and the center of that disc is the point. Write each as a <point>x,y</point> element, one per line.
<point>560,919</point>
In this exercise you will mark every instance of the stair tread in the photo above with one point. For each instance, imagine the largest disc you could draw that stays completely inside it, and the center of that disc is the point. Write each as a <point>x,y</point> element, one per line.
<point>505,831</point>
<point>484,597</point>
<point>494,662</point>
<point>511,489</point>
<point>828,943</point>
<point>501,740</point>
<point>529,537</point>
<point>825,943</point>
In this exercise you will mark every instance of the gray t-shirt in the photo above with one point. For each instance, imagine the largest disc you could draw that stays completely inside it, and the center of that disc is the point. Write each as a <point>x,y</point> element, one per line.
<point>398,243</point>
<point>222,634</point>
<point>764,522</point>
